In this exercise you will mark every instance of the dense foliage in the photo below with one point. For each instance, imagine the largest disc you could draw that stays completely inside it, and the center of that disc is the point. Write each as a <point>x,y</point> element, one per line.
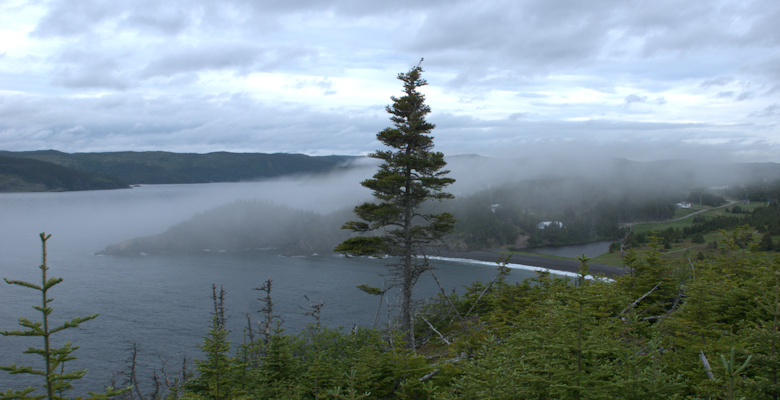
<point>764,221</point>
<point>165,167</point>
<point>693,330</point>
<point>701,330</point>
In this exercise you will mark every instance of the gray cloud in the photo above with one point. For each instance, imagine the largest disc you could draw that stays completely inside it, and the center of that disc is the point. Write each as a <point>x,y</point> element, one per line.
<point>90,71</point>
<point>745,96</point>
<point>508,74</point>
<point>770,111</point>
<point>634,98</point>
<point>716,82</point>
<point>211,56</point>
<point>71,18</point>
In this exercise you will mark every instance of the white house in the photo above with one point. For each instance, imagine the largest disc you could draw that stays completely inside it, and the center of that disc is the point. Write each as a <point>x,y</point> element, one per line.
<point>545,224</point>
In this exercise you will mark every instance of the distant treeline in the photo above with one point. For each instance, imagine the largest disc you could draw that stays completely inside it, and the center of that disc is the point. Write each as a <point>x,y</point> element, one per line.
<point>587,210</point>
<point>757,191</point>
<point>157,167</point>
<point>30,175</point>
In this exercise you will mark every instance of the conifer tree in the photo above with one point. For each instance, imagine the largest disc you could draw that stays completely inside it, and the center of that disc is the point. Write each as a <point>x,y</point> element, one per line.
<point>54,359</point>
<point>410,174</point>
<point>215,372</point>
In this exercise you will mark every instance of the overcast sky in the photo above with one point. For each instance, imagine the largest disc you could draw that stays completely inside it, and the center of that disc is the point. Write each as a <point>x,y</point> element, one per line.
<point>639,79</point>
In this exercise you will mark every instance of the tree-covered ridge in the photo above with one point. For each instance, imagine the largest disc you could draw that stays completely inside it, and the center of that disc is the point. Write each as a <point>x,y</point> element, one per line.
<point>30,175</point>
<point>157,167</point>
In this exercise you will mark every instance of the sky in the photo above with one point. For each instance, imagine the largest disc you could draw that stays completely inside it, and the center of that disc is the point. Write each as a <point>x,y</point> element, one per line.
<point>643,80</point>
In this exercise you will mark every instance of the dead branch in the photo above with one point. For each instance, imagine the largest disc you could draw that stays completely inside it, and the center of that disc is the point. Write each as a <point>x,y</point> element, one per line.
<point>314,310</point>
<point>669,311</point>
<point>501,270</point>
<point>430,375</point>
<point>267,310</point>
<point>706,364</point>
<point>449,301</point>
<point>641,298</point>
<point>437,332</point>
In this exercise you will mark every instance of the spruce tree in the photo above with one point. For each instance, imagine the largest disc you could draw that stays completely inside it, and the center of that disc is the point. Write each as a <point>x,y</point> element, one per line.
<point>216,370</point>
<point>411,173</point>
<point>54,358</point>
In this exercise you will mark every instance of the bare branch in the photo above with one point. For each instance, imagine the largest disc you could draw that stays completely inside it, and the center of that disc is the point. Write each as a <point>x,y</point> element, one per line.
<point>449,301</point>
<point>430,375</point>
<point>640,299</point>
<point>437,332</point>
<point>706,364</point>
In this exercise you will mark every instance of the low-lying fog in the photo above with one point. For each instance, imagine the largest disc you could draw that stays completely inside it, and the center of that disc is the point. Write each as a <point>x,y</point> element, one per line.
<point>90,221</point>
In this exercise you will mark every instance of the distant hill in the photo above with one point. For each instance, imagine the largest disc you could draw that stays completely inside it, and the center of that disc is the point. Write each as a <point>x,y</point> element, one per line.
<point>500,205</point>
<point>29,175</point>
<point>244,225</point>
<point>156,167</point>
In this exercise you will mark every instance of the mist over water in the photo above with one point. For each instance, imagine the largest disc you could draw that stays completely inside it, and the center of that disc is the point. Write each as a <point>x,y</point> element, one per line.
<point>162,302</point>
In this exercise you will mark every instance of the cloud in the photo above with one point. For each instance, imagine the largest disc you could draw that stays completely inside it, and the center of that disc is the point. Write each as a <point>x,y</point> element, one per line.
<point>323,84</point>
<point>210,56</point>
<point>745,96</point>
<point>721,81</point>
<point>770,111</point>
<point>70,18</point>
<point>88,73</point>
<point>634,98</point>
<point>314,76</point>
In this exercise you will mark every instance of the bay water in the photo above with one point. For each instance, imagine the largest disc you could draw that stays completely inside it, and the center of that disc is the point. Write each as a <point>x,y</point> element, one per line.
<point>163,302</point>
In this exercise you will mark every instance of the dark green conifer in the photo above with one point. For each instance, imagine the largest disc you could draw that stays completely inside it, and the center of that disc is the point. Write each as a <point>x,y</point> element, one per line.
<point>410,174</point>
<point>216,370</point>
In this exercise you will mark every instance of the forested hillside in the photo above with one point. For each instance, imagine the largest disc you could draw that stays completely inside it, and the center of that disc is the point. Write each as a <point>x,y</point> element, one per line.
<point>29,175</point>
<point>165,167</point>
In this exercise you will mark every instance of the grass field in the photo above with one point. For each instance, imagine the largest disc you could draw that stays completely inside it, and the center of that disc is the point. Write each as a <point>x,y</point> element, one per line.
<point>681,252</point>
<point>678,252</point>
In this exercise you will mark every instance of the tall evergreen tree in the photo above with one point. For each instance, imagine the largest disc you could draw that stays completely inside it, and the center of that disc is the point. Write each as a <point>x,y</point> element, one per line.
<point>411,173</point>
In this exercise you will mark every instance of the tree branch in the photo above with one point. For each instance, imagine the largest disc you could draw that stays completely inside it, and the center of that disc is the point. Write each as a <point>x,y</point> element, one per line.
<point>640,299</point>
<point>437,332</point>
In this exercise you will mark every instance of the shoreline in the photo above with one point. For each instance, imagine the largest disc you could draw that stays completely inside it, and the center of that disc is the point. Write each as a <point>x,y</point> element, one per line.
<point>567,267</point>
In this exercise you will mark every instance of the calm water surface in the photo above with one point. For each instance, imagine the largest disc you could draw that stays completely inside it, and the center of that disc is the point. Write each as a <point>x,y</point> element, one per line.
<point>163,302</point>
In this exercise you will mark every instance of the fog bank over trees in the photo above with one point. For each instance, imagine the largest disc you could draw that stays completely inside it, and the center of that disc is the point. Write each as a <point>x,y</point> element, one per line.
<point>499,202</point>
